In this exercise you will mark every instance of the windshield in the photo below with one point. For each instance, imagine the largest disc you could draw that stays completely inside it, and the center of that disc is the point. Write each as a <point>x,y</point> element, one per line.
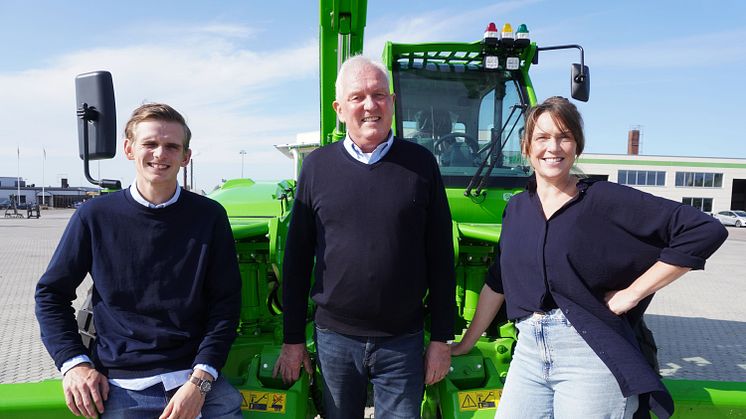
<point>740,213</point>
<point>466,117</point>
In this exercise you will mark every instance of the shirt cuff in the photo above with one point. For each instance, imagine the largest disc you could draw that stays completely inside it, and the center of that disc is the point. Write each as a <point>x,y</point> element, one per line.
<point>208,369</point>
<point>76,360</point>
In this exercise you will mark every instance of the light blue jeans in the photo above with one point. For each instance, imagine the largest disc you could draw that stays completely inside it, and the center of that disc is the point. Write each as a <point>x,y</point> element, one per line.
<point>555,374</point>
<point>223,401</point>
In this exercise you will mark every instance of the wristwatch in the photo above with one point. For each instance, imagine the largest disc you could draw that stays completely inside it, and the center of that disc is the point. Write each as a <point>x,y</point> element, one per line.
<point>204,386</point>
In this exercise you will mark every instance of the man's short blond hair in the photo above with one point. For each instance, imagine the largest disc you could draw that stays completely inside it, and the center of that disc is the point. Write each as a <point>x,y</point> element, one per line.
<point>156,112</point>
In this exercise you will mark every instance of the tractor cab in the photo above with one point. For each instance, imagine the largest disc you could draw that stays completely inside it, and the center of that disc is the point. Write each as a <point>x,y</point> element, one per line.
<point>466,116</point>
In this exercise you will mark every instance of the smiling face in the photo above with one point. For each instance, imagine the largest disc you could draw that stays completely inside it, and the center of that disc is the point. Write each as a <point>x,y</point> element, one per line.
<point>366,106</point>
<point>158,152</point>
<point>552,149</point>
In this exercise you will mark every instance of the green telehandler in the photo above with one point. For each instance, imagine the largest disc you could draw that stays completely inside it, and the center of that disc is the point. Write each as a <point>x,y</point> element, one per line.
<point>466,103</point>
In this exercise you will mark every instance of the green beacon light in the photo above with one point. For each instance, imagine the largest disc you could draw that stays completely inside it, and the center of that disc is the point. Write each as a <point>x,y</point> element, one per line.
<point>522,39</point>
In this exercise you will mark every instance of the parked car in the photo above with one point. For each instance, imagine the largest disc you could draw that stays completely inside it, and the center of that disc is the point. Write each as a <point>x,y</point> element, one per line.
<point>732,218</point>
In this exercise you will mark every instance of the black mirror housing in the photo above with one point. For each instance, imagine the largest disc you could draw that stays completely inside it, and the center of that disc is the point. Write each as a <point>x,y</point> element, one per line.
<point>94,94</point>
<point>580,82</point>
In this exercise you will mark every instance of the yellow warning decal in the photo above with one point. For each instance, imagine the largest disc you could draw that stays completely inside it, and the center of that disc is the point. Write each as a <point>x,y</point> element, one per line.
<point>469,401</point>
<point>262,401</point>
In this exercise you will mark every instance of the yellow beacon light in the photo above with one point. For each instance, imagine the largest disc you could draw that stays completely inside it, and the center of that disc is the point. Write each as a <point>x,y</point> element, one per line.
<point>506,36</point>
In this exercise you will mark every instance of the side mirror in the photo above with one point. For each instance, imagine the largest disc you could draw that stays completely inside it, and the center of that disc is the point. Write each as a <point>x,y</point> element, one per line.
<point>580,82</point>
<point>97,121</point>
<point>94,94</point>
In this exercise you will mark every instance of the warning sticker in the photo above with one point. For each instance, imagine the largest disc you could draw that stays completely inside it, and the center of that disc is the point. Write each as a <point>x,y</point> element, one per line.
<point>262,401</point>
<point>469,401</point>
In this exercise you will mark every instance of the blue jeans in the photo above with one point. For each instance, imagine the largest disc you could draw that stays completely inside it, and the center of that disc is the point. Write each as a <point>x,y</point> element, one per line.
<point>394,365</point>
<point>223,401</point>
<point>555,374</point>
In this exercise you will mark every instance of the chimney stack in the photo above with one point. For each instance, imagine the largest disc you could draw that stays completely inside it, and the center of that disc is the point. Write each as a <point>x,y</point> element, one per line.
<point>633,142</point>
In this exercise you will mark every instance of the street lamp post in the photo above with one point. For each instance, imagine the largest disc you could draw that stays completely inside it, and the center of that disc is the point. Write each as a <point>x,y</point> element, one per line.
<point>242,153</point>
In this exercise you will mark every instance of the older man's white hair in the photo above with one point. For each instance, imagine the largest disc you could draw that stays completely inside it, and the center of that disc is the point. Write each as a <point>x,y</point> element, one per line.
<point>356,63</point>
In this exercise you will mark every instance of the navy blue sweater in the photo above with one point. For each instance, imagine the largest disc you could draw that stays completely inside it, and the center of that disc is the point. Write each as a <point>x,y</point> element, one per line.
<point>381,237</point>
<point>166,286</point>
<point>602,240</point>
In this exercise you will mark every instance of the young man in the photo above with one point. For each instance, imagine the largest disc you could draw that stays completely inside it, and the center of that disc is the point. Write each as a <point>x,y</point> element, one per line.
<point>373,213</point>
<point>166,296</point>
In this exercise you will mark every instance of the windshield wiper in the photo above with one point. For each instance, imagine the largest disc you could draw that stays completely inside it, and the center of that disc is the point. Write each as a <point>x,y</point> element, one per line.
<point>480,180</point>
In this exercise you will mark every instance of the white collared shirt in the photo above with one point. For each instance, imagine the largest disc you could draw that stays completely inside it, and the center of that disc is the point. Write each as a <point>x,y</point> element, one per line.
<point>368,158</point>
<point>139,198</point>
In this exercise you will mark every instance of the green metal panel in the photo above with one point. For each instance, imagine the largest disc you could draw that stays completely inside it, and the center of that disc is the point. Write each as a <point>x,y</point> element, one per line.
<point>708,399</point>
<point>337,17</point>
<point>33,400</point>
<point>246,198</point>
<point>487,209</point>
<point>264,397</point>
<point>528,55</point>
<point>472,388</point>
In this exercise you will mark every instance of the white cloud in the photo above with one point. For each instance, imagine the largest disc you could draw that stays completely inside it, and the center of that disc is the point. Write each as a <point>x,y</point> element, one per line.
<point>221,88</point>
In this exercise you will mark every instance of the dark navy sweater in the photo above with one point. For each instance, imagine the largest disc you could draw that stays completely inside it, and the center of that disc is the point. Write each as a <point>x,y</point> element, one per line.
<point>602,240</point>
<point>381,237</point>
<point>166,286</point>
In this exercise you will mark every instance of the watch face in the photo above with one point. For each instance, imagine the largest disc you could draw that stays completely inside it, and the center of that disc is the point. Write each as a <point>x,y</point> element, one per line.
<point>205,386</point>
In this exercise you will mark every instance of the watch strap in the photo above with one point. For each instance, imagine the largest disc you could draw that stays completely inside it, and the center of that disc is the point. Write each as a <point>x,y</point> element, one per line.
<point>203,385</point>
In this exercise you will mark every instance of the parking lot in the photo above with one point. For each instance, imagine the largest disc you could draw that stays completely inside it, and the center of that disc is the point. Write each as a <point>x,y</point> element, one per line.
<point>699,321</point>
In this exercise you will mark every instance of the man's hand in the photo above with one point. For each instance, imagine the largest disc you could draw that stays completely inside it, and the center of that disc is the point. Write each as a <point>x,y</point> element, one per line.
<point>85,390</point>
<point>185,404</point>
<point>437,362</point>
<point>621,301</point>
<point>292,358</point>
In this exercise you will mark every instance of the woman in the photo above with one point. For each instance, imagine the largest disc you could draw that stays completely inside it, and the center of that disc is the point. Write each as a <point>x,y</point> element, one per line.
<point>578,263</point>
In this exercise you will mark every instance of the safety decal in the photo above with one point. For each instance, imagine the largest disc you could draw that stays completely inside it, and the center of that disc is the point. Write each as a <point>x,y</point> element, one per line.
<point>262,401</point>
<point>469,401</point>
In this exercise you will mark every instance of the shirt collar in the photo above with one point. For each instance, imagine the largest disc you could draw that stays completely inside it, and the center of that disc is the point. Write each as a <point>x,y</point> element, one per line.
<point>140,200</point>
<point>372,157</point>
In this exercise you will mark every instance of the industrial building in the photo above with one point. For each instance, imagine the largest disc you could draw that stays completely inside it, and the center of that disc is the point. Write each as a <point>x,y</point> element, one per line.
<point>708,183</point>
<point>63,196</point>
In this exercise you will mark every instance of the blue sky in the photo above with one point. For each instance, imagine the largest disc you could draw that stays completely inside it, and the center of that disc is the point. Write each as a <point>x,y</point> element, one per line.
<point>245,73</point>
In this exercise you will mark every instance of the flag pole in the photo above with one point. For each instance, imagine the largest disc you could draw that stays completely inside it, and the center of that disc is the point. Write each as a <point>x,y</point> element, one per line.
<point>18,181</point>
<point>43,164</point>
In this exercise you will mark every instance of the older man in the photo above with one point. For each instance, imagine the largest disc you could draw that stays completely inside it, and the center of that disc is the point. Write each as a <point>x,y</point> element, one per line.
<point>166,296</point>
<point>373,213</point>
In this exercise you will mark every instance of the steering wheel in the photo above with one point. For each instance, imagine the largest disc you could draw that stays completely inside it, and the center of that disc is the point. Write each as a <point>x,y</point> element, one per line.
<point>449,138</point>
<point>442,145</point>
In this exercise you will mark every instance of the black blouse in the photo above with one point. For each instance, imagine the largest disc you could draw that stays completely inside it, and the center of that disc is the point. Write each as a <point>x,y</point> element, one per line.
<point>601,240</point>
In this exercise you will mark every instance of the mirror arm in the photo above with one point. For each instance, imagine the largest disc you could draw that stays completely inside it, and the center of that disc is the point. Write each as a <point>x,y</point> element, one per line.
<point>580,76</point>
<point>87,114</point>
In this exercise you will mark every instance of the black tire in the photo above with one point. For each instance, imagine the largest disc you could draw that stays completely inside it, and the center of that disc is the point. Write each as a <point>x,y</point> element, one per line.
<point>739,224</point>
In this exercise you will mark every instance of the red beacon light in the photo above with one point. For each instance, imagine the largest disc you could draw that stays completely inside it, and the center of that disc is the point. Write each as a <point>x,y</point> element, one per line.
<point>490,34</point>
<point>490,40</point>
